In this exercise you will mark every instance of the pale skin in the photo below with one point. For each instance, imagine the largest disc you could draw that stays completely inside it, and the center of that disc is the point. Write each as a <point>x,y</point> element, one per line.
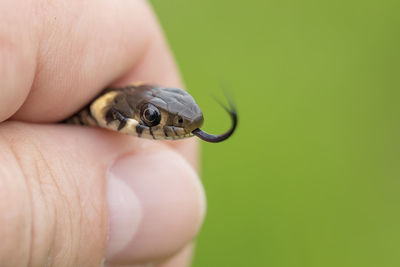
<point>80,196</point>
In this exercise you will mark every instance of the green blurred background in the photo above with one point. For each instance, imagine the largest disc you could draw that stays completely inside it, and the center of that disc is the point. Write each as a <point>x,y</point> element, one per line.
<point>312,176</point>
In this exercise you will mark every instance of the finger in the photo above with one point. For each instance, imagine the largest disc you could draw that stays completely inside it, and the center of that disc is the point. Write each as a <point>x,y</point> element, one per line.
<point>74,50</point>
<point>54,208</point>
<point>67,52</point>
<point>180,259</point>
<point>154,241</point>
<point>18,50</point>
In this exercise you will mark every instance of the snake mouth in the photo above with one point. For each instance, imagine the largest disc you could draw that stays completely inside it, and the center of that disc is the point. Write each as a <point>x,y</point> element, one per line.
<point>220,137</point>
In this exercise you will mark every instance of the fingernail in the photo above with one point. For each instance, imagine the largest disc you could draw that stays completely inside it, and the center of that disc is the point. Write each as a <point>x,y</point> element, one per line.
<point>125,214</point>
<point>156,206</point>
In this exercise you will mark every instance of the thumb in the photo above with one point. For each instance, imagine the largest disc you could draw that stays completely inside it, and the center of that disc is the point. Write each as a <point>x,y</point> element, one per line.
<point>74,196</point>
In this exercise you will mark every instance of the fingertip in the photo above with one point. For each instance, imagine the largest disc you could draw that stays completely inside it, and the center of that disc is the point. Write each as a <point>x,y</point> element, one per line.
<point>124,216</point>
<point>172,202</point>
<point>18,52</point>
<point>181,259</point>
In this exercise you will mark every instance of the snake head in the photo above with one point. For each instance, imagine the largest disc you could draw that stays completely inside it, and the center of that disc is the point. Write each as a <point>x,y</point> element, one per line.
<point>154,112</point>
<point>171,113</point>
<point>180,116</point>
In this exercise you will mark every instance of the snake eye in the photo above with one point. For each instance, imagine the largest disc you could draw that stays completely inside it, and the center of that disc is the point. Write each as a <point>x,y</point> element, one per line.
<point>151,115</point>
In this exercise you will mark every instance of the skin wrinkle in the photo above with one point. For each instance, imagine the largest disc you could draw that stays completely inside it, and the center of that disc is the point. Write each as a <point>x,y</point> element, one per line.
<point>94,208</point>
<point>20,165</point>
<point>103,162</point>
<point>47,208</point>
<point>30,169</point>
<point>55,184</point>
<point>69,209</point>
<point>137,145</point>
<point>78,234</point>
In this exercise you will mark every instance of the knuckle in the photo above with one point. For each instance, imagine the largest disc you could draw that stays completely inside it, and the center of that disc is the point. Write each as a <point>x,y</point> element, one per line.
<point>13,61</point>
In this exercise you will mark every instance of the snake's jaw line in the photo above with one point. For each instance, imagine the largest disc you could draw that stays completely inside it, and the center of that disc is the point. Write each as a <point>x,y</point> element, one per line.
<point>220,137</point>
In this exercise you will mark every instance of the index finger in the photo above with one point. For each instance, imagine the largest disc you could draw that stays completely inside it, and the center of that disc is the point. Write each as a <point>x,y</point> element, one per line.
<point>72,50</point>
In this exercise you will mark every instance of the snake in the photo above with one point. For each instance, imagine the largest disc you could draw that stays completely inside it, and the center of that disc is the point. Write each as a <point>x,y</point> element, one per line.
<point>149,111</point>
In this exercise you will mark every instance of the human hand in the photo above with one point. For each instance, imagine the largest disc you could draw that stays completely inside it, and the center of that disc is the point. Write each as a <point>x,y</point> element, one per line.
<point>74,196</point>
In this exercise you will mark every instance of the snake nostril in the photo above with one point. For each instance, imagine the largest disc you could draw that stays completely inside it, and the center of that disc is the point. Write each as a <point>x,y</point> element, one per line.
<point>178,121</point>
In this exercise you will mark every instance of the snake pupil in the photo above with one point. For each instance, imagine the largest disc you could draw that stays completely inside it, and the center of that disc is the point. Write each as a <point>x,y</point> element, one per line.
<point>151,115</point>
